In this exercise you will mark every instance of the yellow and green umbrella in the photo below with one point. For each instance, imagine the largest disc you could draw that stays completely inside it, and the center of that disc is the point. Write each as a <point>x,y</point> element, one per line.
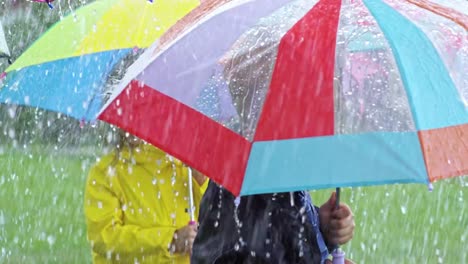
<point>65,70</point>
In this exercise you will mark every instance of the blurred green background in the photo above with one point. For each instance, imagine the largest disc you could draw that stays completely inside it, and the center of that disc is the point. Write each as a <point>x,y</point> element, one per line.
<point>41,215</point>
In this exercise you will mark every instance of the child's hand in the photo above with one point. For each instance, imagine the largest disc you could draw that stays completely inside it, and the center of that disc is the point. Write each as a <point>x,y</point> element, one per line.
<point>336,224</point>
<point>183,239</point>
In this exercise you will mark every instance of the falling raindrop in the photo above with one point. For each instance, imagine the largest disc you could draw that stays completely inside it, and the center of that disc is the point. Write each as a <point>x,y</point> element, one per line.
<point>51,240</point>
<point>403,209</point>
<point>236,247</point>
<point>11,133</point>
<point>11,112</point>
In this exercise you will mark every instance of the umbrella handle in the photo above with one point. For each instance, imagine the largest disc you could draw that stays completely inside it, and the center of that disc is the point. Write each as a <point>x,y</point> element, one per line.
<point>338,254</point>
<point>337,202</point>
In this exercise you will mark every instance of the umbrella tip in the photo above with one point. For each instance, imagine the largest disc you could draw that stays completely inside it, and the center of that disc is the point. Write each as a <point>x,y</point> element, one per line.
<point>430,187</point>
<point>3,75</point>
<point>49,4</point>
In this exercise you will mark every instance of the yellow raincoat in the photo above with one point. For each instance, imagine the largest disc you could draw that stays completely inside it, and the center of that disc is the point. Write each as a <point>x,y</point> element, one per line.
<point>133,205</point>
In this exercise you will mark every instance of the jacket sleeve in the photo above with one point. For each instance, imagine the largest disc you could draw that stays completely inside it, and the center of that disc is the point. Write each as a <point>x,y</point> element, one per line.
<point>106,231</point>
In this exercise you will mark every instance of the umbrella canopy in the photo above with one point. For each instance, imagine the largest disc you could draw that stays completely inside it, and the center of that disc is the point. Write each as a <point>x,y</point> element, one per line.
<point>65,70</point>
<point>4,51</point>
<point>327,93</point>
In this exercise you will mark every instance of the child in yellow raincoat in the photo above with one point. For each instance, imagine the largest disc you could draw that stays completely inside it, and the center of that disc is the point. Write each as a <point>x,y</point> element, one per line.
<point>136,206</point>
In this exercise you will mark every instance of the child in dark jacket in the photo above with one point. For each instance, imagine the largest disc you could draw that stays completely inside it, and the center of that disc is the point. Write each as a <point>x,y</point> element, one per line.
<point>265,228</point>
<point>268,228</point>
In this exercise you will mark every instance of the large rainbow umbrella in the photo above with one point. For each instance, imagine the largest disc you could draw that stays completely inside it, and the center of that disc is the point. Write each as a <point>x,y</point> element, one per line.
<point>327,93</point>
<point>65,70</point>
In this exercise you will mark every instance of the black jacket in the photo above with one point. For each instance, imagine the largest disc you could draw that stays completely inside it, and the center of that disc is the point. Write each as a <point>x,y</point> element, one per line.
<point>268,228</point>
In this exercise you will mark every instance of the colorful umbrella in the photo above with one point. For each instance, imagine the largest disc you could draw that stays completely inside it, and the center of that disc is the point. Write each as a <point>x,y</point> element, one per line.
<point>65,70</point>
<point>328,93</point>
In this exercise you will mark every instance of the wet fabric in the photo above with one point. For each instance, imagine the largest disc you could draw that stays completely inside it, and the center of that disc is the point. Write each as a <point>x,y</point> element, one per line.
<point>269,228</point>
<point>134,203</point>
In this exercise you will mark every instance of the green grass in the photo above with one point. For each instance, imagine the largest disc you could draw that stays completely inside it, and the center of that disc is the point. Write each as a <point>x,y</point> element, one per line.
<point>407,223</point>
<point>41,215</point>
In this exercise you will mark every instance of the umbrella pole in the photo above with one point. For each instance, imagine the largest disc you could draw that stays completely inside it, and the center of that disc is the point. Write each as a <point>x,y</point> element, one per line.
<point>338,254</point>
<point>337,203</point>
<point>191,210</point>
